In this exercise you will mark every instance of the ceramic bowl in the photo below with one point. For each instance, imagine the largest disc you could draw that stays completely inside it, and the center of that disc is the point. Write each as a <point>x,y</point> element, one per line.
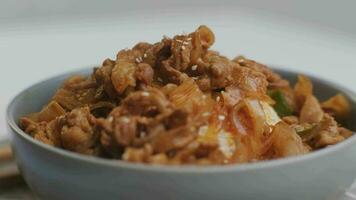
<point>57,174</point>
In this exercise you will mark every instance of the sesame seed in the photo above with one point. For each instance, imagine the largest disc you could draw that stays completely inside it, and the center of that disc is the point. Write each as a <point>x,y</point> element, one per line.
<point>205,114</point>
<point>218,98</point>
<point>241,60</point>
<point>137,60</point>
<point>183,47</point>
<point>143,134</point>
<point>194,67</point>
<point>110,118</point>
<point>203,130</point>
<point>145,94</point>
<point>221,117</point>
<point>159,79</point>
<point>195,78</point>
<point>181,41</point>
<point>125,119</point>
<point>145,55</point>
<point>204,96</point>
<point>188,39</point>
<point>185,43</point>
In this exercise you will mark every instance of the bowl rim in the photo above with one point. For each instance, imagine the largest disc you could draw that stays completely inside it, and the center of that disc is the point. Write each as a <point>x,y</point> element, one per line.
<point>17,131</point>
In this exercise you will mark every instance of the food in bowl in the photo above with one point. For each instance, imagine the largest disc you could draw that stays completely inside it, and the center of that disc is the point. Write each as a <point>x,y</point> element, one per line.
<point>178,102</point>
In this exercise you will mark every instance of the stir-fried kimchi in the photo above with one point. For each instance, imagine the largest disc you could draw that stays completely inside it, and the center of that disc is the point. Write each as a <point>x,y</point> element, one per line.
<point>178,102</point>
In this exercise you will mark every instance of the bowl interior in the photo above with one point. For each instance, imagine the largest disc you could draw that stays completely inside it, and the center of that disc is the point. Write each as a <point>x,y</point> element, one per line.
<point>33,98</point>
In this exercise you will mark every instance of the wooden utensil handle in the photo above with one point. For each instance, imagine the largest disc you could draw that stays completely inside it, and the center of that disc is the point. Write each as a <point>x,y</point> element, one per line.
<point>8,168</point>
<point>5,153</point>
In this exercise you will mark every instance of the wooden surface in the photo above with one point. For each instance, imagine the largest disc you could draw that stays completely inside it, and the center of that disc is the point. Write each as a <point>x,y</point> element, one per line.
<point>12,185</point>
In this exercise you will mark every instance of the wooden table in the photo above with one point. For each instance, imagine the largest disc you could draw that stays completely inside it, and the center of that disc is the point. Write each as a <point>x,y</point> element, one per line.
<point>12,185</point>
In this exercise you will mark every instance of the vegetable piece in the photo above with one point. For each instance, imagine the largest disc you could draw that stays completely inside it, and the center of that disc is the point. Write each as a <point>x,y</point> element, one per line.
<point>311,111</point>
<point>302,90</point>
<point>187,96</point>
<point>226,143</point>
<point>50,112</point>
<point>304,128</point>
<point>281,105</point>
<point>272,117</point>
<point>286,142</point>
<point>210,136</point>
<point>337,105</point>
<point>248,117</point>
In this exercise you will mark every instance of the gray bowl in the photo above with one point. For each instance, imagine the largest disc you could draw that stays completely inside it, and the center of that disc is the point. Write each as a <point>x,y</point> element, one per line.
<point>54,173</point>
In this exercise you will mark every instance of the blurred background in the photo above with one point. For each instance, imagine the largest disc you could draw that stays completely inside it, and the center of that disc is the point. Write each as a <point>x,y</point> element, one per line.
<point>39,39</point>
